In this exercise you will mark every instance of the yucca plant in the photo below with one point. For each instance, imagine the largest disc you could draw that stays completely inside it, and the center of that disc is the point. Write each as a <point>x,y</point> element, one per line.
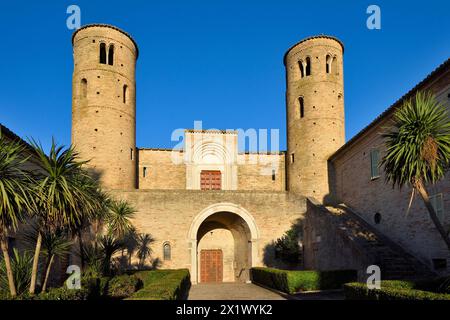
<point>93,260</point>
<point>118,220</point>
<point>55,243</point>
<point>94,210</point>
<point>109,246</point>
<point>62,199</point>
<point>21,264</point>
<point>15,196</point>
<point>418,149</point>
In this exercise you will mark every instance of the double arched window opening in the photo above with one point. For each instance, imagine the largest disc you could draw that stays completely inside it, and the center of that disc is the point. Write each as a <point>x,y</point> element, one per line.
<point>106,57</point>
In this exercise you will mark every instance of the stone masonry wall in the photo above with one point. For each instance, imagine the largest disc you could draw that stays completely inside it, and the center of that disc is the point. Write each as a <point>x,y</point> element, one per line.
<point>412,230</point>
<point>161,172</point>
<point>168,214</point>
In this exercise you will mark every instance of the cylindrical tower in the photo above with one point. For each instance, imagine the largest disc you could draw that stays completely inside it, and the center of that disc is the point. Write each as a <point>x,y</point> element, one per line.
<point>315,113</point>
<point>104,103</point>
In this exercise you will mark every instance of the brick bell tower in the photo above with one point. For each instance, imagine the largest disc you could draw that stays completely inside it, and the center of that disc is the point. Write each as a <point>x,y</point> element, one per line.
<point>104,103</point>
<point>315,113</point>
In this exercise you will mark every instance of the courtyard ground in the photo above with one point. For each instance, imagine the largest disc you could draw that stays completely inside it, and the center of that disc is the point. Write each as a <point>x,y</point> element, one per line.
<point>249,291</point>
<point>231,291</point>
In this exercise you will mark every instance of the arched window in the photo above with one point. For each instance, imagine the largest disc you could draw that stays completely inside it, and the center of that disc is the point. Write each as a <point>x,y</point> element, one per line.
<point>308,67</point>
<point>328,63</point>
<point>302,70</point>
<point>301,107</point>
<point>103,53</point>
<point>83,89</point>
<point>124,94</point>
<point>111,55</point>
<point>334,66</point>
<point>167,251</point>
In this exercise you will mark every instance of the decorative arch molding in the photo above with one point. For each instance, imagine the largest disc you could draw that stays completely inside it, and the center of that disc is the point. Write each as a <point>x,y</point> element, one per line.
<point>204,148</point>
<point>207,212</point>
<point>211,151</point>
<point>223,207</point>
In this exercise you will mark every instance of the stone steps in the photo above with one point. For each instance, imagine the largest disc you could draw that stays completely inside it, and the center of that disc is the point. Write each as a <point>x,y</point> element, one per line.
<point>394,261</point>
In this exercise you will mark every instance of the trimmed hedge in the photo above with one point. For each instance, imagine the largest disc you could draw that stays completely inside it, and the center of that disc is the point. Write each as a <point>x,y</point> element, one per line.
<point>163,285</point>
<point>52,294</point>
<point>293,281</point>
<point>393,290</point>
<point>123,286</point>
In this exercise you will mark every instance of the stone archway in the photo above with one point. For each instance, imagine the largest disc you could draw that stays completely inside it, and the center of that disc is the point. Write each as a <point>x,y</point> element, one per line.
<point>230,228</point>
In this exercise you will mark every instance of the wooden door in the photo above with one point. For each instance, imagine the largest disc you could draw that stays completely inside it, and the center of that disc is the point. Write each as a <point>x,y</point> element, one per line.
<point>211,180</point>
<point>211,265</point>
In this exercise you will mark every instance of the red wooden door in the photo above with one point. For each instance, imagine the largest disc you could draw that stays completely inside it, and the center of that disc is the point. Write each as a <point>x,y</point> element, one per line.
<point>211,265</point>
<point>210,180</point>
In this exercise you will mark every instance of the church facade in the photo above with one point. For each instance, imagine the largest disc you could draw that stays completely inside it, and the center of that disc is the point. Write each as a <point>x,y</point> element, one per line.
<point>218,211</point>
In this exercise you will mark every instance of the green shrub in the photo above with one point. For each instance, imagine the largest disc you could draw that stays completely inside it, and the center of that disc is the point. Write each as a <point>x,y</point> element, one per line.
<point>96,287</point>
<point>124,286</point>
<point>163,285</point>
<point>294,281</point>
<point>62,294</point>
<point>393,290</point>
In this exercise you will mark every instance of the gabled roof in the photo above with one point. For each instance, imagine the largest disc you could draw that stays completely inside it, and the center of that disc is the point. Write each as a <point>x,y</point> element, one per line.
<point>442,69</point>
<point>11,135</point>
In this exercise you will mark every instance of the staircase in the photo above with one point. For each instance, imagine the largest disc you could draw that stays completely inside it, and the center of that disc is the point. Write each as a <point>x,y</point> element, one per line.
<point>394,261</point>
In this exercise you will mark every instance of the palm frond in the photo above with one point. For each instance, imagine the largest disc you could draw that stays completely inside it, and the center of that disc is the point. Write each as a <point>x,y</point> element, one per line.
<point>418,143</point>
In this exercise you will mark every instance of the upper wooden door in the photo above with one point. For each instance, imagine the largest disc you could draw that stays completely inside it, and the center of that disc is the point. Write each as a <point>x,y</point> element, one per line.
<point>210,180</point>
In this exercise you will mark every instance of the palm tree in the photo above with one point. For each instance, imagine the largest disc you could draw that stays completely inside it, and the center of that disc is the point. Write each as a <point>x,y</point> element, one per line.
<point>62,199</point>
<point>118,219</point>
<point>418,149</point>
<point>15,190</point>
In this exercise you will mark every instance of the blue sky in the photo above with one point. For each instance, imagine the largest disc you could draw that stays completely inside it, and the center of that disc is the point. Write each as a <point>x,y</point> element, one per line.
<point>216,61</point>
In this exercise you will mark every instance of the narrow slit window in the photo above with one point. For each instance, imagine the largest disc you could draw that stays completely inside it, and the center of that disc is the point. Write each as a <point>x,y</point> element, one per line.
<point>83,88</point>
<point>111,55</point>
<point>328,63</point>
<point>124,93</point>
<point>292,158</point>
<point>131,153</point>
<point>273,175</point>
<point>144,172</point>
<point>103,53</point>
<point>301,106</point>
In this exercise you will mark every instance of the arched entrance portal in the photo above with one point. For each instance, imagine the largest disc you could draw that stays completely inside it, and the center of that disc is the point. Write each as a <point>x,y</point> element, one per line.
<point>223,244</point>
